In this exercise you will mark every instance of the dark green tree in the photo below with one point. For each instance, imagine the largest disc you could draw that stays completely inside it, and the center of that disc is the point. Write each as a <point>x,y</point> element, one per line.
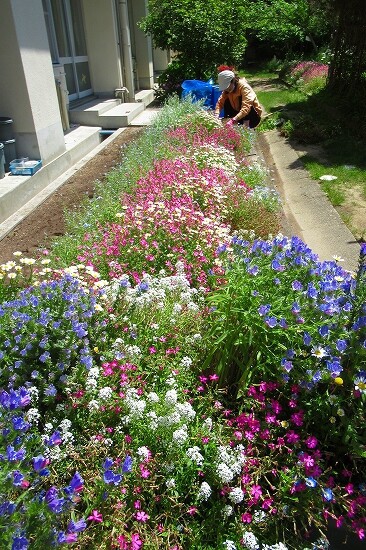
<point>202,33</point>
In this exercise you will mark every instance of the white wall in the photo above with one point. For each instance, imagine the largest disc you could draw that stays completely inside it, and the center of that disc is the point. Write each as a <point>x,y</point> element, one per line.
<point>27,85</point>
<point>103,46</point>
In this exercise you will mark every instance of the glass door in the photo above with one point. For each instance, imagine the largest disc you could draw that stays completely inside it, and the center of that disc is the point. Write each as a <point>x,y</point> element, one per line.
<point>68,30</point>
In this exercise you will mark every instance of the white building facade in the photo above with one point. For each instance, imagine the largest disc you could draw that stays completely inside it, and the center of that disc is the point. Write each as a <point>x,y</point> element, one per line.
<point>58,53</point>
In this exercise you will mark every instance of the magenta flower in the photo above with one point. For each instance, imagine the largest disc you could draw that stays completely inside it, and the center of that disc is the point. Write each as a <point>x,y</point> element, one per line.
<point>246,518</point>
<point>311,442</point>
<point>96,516</point>
<point>142,516</point>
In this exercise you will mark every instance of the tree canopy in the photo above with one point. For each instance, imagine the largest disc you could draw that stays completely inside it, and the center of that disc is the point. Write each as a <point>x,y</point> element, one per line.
<point>203,33</point>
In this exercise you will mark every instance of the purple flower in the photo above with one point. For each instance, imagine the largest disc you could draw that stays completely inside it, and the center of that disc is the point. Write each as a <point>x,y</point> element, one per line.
<point>17,478</point>
<point>40,462</point>
<point>264,309</point>
<point>127,465</point>
<point>296,285</point>
<point>76,526</point>
<point>19,543</point>
<point>55,439</point>
<point>111,478</point>
<point>13,455</point>
<point>108,463</point>
<point>271,321</point>
<point>77,483</point>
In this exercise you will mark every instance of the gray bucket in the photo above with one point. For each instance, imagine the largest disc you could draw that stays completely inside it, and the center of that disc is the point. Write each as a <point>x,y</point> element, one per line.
<point>2,161</point>
<point>10,152</point>
<point>6,130</point>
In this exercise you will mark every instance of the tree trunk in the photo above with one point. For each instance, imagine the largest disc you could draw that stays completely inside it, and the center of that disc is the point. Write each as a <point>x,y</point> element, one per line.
<point>347,72</point>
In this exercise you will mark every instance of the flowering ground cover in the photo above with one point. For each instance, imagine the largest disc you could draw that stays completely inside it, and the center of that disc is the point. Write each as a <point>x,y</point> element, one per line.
<point>177,374</point>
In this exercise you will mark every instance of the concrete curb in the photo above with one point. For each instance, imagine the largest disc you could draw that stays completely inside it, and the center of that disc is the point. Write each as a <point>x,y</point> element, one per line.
<point>307,209</point>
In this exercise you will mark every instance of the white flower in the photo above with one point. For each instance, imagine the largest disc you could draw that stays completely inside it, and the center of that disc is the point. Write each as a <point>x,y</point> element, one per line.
<point>236,495</point>
<point>229,545</point>
<point>170,483</point>
<point>204,492</point>
<point>224,472</point>
<point>93,405</point>
<point>152,397</point>
<point>143,453</point>
<point>171,397</point>
<point>227,510</point>
<point>250,541</point>
<point>33,415</point>
<point>91,383</point>
<point>93,372</point>
<point>105,393</point>
<point>65,424</point>
<point>186,411</point>
<point>208,424</point>
<point>186,362</point>
<point>180,435</point>
<point>194,454</point>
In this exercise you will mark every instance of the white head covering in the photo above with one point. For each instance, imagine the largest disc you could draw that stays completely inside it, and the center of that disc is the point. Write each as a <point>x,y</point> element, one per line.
<point>224,78</point>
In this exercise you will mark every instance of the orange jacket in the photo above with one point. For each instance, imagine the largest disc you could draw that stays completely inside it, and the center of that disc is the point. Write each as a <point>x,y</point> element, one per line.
<point>248,99</point>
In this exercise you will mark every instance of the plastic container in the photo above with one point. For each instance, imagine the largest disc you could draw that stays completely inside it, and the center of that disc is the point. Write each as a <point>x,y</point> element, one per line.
<point>25,167</point>
<point>10,152</point>
<point>2,161</point>
<point>6,130</point>
<point>197,89</point>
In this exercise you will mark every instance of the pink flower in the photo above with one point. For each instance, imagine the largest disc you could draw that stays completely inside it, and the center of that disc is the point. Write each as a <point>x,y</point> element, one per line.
<point>192,510</point>
<point>96,516</point>
<point>136,542</point>
<point>142,516</point>
<point>256,491</point>
<point>246,518</point>
<point>311,442</point>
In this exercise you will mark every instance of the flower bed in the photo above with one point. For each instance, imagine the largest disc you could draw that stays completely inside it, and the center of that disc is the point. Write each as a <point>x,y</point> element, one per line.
<point>186,381</point>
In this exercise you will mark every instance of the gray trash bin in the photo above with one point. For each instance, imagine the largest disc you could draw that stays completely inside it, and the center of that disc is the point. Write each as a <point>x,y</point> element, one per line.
<point>6,130</point>
<point>10,152</point>
<point>2,161</point>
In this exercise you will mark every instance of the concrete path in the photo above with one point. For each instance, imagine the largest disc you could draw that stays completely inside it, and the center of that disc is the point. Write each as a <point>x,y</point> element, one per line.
<point>308,211</point>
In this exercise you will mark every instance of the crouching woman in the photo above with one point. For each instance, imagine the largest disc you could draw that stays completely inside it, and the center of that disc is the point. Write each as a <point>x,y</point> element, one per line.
<point>238,100</point>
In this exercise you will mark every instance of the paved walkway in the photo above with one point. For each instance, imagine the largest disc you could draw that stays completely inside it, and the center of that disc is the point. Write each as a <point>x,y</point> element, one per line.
<point>308,211</point>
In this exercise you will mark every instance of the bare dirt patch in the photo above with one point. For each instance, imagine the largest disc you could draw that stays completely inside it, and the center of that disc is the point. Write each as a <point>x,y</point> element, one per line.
<point>47,221</point>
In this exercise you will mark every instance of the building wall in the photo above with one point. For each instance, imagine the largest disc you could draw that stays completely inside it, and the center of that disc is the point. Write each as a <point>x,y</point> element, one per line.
<point>27,85</point>
<point>101,34</point>
<point>142,47</point>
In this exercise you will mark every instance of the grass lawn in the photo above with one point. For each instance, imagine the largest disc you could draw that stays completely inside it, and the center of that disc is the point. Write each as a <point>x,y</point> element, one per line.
<point>317,120</point>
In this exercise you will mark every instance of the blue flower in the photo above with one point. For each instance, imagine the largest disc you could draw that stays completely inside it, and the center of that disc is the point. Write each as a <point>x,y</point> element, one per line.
<point>19,543</point>
<point>328,495</point>
<point>127,465</point>
<point>76,526</point>
<point>111,478</point>
<point>40,462</point>
<point>311,482</point>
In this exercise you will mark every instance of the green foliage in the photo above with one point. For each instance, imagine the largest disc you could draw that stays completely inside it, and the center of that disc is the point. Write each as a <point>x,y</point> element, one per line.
<point>204,33</point>
<point>289,25</point>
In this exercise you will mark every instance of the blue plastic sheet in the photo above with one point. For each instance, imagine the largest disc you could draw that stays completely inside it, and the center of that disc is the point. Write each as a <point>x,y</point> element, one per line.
<point>198,90</point>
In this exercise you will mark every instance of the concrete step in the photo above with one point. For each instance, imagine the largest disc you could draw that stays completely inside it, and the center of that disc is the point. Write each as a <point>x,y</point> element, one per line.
<point>146,118</point>
<point>88,113</point>
<point>145,96</point>
<point>120,116</point>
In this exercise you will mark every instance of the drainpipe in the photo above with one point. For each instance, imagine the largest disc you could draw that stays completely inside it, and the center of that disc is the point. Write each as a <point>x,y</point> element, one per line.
<point>125,46</point>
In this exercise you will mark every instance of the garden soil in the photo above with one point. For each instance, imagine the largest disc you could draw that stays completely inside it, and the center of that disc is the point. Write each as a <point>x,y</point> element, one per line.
<point>47,221</point>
